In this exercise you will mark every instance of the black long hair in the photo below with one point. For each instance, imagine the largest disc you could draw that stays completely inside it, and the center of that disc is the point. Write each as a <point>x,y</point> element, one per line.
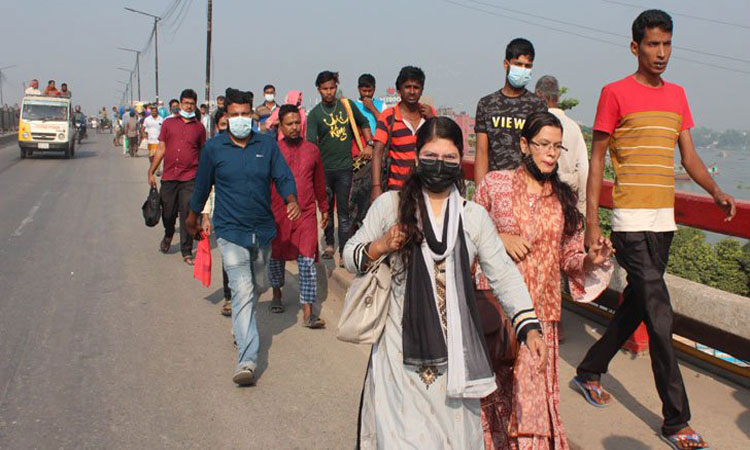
<point>412,208</point>
<point>565,194</point>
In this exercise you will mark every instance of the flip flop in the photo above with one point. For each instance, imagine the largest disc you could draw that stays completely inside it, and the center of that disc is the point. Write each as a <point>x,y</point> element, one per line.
<point>165,244</point>
<point>675,441</point>
<point>188,260</point>
<point>226,309</point>
<point>327,254</point>
<point>314,323</point>
<point>586,389</point>
<point>277,307</point>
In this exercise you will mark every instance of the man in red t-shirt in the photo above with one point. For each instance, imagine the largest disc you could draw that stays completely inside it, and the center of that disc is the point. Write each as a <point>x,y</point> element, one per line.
<point>640,119</point>
<point>180,142</point>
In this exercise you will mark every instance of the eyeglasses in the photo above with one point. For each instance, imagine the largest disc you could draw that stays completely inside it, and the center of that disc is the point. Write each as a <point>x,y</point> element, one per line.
<point>449,161</point>
<point>549,145</point>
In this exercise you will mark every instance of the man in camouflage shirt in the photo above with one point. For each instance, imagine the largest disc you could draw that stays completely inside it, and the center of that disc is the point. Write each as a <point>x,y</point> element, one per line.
<point>502,114</point>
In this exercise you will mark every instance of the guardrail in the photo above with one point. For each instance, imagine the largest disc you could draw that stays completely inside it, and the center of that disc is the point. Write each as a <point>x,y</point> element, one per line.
<point>697,211</point>
<point>9,118</point>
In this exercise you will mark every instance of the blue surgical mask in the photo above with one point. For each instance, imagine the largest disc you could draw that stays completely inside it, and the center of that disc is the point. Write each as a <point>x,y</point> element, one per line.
<point>519,77</point>
<point>240,127</point>
<point>187,115</point>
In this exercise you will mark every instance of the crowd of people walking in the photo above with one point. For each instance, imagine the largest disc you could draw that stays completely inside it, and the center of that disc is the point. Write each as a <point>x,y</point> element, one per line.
<point>386,185</point>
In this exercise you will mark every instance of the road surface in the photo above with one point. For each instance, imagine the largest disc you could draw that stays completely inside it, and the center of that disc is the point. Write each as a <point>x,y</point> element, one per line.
<point>105,342</point>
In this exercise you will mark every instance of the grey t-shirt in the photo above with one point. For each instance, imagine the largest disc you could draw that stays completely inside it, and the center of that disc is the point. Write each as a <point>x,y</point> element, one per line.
<point>502,119</point>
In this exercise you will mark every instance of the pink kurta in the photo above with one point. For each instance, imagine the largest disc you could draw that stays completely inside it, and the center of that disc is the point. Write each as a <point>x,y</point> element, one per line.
<point>300,237</point>
<point>525,410</point>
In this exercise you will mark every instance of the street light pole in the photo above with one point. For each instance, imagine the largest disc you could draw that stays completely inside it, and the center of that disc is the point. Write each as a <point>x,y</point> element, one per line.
<point>130,85</point>
<point>156,45</point>
<point>208,55</point>
<point>137,66</point>
<point>2,102</point>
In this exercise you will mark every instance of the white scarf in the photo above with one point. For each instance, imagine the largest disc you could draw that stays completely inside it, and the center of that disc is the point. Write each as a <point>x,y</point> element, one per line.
<point>458,384</point>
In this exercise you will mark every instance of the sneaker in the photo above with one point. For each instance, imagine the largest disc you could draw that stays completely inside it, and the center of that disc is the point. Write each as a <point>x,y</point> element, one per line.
<point>244,377</point>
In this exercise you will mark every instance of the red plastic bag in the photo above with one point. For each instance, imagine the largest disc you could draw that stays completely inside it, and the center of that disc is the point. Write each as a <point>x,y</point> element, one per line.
<point>202,267</point>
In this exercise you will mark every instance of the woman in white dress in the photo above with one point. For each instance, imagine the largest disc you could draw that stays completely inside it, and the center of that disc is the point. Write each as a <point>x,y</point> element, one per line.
<point>429,368</point>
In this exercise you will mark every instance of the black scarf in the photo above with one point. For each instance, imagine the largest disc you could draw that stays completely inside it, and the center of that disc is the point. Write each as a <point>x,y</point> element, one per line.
<point>423,340</point>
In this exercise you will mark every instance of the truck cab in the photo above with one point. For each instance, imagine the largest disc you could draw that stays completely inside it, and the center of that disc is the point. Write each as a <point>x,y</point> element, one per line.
<point>46,125</point>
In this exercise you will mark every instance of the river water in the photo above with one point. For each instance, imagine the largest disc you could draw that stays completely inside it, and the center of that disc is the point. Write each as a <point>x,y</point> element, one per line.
<point>733,176</point>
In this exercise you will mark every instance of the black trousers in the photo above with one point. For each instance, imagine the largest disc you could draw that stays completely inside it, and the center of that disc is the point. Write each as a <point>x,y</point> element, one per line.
<point>338,188</point>
<point>175,199</point>
<point>644,257</point>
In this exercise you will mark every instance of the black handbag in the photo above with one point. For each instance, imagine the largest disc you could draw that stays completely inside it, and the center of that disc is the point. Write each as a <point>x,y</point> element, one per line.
<point>152,208</point>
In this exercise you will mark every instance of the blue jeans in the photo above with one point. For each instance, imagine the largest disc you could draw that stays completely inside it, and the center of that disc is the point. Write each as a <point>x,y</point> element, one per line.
<point>246,268</point>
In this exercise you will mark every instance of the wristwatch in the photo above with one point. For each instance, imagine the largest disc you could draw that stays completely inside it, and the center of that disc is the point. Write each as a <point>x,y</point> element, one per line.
<point>370,143</point>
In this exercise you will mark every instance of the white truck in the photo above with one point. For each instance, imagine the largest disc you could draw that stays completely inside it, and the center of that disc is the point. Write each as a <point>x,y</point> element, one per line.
<point>46,125</point>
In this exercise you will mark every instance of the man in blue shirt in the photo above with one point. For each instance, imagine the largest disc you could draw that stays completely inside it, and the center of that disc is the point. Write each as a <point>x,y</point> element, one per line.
<point>240,165</point>
<point>367,104</point>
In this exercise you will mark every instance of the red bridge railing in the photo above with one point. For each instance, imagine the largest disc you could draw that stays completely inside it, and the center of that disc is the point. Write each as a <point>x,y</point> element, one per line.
<point>693,210</point>
<point>697,211</point>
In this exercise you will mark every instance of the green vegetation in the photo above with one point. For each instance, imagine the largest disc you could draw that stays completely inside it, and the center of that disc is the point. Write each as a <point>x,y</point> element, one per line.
<point>724,265</point>
<point>567,103</point>
<point>706,137</point>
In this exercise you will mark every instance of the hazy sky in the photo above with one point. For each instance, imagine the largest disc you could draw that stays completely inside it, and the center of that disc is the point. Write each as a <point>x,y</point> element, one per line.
<point>288,42</point>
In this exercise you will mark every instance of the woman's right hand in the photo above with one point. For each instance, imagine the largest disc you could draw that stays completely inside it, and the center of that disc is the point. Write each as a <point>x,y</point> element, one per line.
<point>392,241</point>
<point>516,246</point>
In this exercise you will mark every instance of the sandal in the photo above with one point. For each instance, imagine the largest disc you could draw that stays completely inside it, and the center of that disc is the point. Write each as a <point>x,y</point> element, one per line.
<point>685,439</point>
<point>276,306</point>
<point>226,310</point>
<point>188,260</point>
<point>314,322</point>
<point>592,392</point>
<point>165,244</point>
<point>328,253</point>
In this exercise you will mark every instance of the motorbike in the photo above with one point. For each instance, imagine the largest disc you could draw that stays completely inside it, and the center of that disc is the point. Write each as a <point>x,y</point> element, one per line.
<point>81,130</point>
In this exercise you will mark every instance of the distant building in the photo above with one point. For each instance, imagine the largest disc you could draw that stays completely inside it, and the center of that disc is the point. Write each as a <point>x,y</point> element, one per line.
<point>466,123</point>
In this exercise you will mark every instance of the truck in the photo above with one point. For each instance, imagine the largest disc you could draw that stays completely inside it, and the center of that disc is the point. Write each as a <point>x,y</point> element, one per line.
<point>46,125</point>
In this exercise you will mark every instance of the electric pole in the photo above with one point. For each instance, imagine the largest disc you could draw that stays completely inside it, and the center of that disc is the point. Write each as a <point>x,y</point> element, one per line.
<point>2,102</point>
<point>137,66</point>
<point>208,55</point>
<point>156,46</point>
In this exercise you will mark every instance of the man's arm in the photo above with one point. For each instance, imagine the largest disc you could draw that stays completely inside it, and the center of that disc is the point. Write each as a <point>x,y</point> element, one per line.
<point>481,159</point>
<point>698,172</point>
<point>312,127</point>
<point>594,186</point>
<point>204,180</point>
<point>583,168</point>
<point>376,169</point>
<point>155,163</point>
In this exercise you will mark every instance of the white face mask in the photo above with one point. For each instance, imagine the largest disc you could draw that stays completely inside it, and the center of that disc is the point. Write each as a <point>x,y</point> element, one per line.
<point>269,97</point>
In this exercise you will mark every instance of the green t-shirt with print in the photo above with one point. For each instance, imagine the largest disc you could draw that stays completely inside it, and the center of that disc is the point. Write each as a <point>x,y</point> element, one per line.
<point>328,127</point>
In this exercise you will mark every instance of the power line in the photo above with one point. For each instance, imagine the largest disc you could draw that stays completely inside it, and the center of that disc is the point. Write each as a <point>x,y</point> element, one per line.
<point>588,37</point>
<point>706,19</point>
<point>598,30</point>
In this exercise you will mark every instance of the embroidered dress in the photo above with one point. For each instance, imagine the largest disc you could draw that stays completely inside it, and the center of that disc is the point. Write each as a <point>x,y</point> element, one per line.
<point>399,408</point>
<point>525,412</point>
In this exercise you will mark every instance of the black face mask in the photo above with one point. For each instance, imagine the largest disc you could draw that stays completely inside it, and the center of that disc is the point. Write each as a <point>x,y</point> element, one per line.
<point>437,177</point>
<point>534,170</point>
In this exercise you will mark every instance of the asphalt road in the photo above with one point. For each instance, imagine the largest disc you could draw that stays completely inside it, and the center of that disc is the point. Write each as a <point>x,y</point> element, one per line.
<point>105,342</point>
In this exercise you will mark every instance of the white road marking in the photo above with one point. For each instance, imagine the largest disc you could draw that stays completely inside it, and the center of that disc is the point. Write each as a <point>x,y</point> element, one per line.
<point>29,218</point>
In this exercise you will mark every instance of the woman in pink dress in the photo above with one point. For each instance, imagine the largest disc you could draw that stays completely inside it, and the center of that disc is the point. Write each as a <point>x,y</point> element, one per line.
<point>537,219</point>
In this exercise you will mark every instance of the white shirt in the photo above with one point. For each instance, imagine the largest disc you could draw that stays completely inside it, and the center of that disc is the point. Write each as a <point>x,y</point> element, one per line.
<point>574,163</point>
<point>32,91</point>
<point>153,128</point>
